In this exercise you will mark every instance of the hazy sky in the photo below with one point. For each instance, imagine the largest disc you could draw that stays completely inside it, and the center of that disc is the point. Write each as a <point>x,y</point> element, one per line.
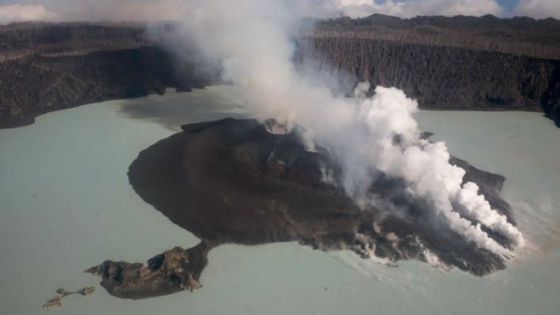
<point>17,10</point>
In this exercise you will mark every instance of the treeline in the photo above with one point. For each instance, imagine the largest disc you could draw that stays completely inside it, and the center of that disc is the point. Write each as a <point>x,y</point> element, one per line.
<point>466,41</point>
<point>518,36</point>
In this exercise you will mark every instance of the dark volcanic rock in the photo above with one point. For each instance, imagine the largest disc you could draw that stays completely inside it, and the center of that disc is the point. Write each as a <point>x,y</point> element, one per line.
<point>232,181</point>
<point>172,271</point>
<point>37,84</point>
<point>61,293</point>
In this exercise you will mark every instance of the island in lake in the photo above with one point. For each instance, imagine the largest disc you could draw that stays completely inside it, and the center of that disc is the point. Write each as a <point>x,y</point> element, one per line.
<point>234,181</point>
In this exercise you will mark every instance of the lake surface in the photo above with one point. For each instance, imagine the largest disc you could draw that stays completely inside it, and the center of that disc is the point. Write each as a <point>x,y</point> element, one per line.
<point>66,205</point>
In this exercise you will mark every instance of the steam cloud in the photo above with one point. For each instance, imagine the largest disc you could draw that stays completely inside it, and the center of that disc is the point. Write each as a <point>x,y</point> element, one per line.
<point>18,13</point>
<point>252,38</point>
<point>538,8</point>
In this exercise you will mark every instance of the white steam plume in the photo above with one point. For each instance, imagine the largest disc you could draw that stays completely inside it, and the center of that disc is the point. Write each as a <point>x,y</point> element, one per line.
<point>252,37</point>
<point>24,13</point>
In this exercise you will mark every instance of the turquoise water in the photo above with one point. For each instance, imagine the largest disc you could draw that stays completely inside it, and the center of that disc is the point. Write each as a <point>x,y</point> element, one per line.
<point>65,205</point>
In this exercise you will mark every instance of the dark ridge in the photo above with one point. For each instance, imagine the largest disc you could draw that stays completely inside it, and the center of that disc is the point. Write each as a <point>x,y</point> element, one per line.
<point>484,63</point>
<point>517,35</point>
<point>439,77</point>
<point>37,84</point>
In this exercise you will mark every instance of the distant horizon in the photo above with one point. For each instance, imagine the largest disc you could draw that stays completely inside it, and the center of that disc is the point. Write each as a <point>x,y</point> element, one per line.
<point>165,10</point>
<point>114,21</point>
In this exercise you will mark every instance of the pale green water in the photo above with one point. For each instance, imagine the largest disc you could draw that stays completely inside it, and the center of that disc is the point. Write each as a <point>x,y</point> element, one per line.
<point>65,205</point>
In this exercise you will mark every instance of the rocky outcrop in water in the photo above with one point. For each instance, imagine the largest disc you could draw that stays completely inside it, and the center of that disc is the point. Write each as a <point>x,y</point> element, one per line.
<point>56,301</point>
<point>232,181</point>
<point>172,271</point>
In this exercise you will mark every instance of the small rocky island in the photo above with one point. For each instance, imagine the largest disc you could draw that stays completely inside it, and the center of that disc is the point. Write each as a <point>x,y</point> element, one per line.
<point>233,181</point>
<point>56,301</point>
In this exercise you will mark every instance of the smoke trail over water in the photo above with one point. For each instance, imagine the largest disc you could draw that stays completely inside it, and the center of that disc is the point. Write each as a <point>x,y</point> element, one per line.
<point>253,39</point>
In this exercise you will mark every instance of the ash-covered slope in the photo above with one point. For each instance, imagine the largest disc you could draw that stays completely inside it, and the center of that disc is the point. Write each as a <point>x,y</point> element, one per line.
<point>232,181</point>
